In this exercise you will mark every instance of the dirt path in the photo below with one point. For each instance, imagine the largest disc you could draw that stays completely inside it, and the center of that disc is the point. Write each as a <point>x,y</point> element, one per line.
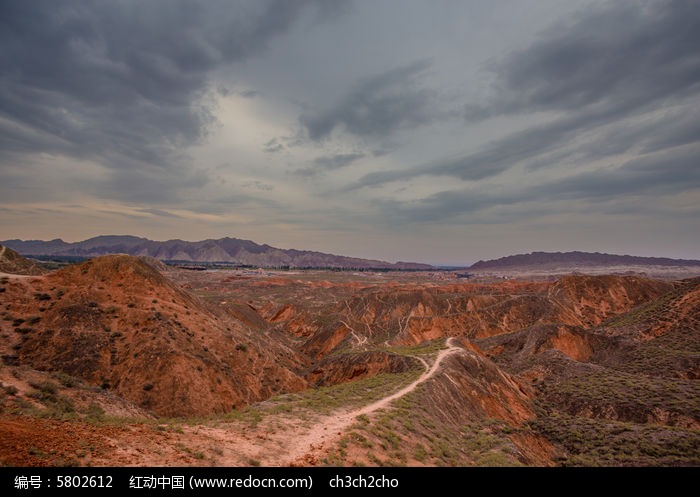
<point>18,276</point>
<point>281,441</point>
<point>327,430</point>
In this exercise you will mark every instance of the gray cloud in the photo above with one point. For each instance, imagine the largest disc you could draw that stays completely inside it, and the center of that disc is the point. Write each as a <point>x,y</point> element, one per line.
<point>489,162</point>
<point>329,163</point>
<point>623,55</point>
<point>272,146</point>
<point>258,185</point>
<point>337,161</point>
<point>160,213</point>
<point>113,106</point>
<point>123,83</point>
<point>223,204</point>
<point>654,174</point>
<point>144,186</point>
<point>377,106</point>
<point>248,93</point>
<point>675,171</point>
<point>619,63</point>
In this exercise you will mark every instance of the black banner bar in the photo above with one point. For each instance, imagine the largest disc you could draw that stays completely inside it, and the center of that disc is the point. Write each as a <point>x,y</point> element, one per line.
<point>327,481</point>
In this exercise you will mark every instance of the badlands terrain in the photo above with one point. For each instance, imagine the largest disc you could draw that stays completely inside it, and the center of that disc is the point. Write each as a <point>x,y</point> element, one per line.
<point>122,360</point>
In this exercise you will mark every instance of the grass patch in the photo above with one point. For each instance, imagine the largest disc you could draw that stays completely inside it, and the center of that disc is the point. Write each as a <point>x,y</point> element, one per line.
<point>408,434</point>
<point>633,397</point>
<point>325,400</point>
<point>671,355</point>
<point>426,348</point>
<point>646,311</point>
<point>589,442</point>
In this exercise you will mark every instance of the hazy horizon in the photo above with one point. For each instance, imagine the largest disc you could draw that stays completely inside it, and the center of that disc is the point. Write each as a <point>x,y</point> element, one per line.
<point>436,132</point>
<point>436,264</point>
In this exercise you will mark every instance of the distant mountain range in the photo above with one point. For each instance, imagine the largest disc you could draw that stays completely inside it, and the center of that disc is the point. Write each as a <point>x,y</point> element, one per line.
<point>225,250</point>
<point>576,259</point>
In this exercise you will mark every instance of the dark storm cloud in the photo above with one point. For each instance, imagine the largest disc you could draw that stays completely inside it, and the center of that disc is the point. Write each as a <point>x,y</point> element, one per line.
<point>489,162</point>
<point>329,163</point>
<point>671,172</point>
<point>337,161</point>
<point>123,83</point>
<point>677,130</point>
<point>377,106</point>
<point>625,55</point>
<point>651,175</point>
<point>615,66</point>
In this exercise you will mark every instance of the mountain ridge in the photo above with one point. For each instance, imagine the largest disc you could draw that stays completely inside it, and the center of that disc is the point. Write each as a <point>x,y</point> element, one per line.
<point>227,249</point>
<point>541,259</point>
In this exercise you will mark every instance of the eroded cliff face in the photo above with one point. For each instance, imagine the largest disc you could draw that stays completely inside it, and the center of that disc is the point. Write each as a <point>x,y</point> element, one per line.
<point>342,368</point>
<point>409,316</point>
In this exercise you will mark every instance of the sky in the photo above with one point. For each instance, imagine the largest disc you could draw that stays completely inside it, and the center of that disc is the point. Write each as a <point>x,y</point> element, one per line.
<point>442,132</point>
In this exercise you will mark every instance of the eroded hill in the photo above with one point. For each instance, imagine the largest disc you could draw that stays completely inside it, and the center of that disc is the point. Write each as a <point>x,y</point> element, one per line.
<point>314,368</point>
<point>117,323</point>
<point>13,263</point>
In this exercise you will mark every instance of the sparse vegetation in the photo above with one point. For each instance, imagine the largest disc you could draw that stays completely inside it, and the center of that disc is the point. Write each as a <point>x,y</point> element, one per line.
<point>326,399</point>
<point>626,396</point>
<point>408,434</point>
<point>595,442</point>
<point>10,390</point>
<point>46,387</point>
<point>65,379</point>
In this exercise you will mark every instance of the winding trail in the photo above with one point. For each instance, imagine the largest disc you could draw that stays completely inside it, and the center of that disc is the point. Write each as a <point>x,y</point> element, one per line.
<point>326,431</point>
<point>280,442</point>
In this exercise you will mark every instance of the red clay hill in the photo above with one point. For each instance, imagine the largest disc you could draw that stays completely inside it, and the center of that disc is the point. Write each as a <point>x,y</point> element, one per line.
<point>116,322</point>
<point>13,263</point>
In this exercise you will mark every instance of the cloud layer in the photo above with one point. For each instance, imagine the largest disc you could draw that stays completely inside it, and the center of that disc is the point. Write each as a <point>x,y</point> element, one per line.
<point>355,127</point>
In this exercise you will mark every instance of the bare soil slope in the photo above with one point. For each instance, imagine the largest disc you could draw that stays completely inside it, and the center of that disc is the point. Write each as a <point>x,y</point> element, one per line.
<point>118,323</point>
<point>13,263</point>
